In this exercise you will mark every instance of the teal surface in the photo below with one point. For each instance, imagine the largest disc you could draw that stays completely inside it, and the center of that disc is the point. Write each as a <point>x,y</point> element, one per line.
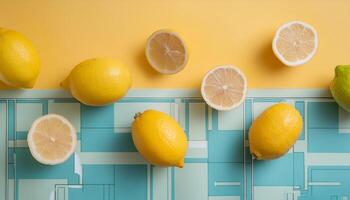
<point>218,166</point>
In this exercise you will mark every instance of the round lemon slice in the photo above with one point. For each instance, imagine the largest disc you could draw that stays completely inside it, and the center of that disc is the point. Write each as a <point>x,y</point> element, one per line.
<point>295,43</point>
<point>224,87</point>
<point>52,139</point>
<point>166,52</point>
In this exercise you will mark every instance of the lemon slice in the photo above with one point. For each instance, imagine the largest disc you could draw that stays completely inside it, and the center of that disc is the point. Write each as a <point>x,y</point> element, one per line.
<point>224,87</point>
<point>52,139</point>
<point>295,43</point>
<point>166,52</point>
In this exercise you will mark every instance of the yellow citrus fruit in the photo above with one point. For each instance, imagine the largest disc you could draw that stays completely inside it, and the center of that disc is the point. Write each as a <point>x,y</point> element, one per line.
<point>224,87</point>
<point>98,81</point>
<point>159,138</point>
<point>19,60</point>
<point>52,139</point>
<point>295,43</point>
<point>166,52</point>
<point>275,131</point>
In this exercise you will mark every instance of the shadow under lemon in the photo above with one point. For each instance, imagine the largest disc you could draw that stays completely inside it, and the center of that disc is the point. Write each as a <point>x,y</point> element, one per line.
<point>144,66</point>
<point>153,77</point>
<point>269,59</point>
<point>3,86</point>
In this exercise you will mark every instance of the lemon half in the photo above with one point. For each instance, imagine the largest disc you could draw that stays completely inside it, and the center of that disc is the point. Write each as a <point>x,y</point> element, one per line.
<point>166,52</point>
<point>52,139</point>
<point>224,87</point>
<point>295,43</point>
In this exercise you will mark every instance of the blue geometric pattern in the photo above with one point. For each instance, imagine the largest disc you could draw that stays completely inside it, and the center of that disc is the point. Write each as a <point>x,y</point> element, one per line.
<point>218,166</point>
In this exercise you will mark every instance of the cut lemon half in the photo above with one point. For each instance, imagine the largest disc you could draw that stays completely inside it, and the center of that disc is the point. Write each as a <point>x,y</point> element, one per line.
<point>52,139</point>
<point>295,43</point>
<point>224,87</point>
<point>166,52</point>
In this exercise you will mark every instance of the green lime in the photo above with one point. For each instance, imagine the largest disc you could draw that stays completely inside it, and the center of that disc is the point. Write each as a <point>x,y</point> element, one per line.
<point>340,86</point>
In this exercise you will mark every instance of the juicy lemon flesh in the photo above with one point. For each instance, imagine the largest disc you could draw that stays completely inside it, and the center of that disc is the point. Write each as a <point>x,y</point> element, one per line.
<point>99,81</point>
<point>166,52</point>
<point>296,42</point>
<point>159,138</point>
<point>275,131</point>
<point>19,60</point>
<point>224,87</point>
<point>52,139</point>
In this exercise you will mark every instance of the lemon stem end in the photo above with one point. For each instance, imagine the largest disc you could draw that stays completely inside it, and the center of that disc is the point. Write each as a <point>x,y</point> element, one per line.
<point>180,164</point>
<point>137,115</point>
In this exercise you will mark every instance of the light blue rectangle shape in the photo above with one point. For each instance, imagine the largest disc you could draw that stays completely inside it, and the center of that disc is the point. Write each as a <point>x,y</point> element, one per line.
<point>298,169</point>
<point>21,135</point>
<point>229,173</point>
<point>328,141</point>
<point>106,142</point>
<point>186,187</point>
<point>10,153</point>
<point>3,151</point>
<point>231,120</point>
<point>60,193</point>
<point>37,189</point>
<point>322,115</point>
<point>87,192</point>
<point>225,146</point>
<point>28,168</point>
<point>26,113</point>
<point>11,118</point>
<point>278,172</point>
<point>131,182</point>
<point>97,117</point>
<point>196,160</point>
<point>11,171</point>
<point>197,153</point>
<point>105,174</point>
<point>330,174</point>
<point>159,183</point>
<point>69,110</point>
<point>197,121</point>
<point>248,115</point>
<point>248,182</point>
<point>300,106</point>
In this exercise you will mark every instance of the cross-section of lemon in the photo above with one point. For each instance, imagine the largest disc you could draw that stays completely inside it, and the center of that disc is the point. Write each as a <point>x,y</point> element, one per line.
<point>52,139</point>
<point>166,52</point>
<point>295,43</point>
<point>224,87</point>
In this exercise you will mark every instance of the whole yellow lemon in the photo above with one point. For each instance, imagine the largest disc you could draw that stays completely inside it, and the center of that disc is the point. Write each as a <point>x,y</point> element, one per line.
<point>98,81</point>
<point>19,60</point>
<point>159,138</point>
<point>275,131</point>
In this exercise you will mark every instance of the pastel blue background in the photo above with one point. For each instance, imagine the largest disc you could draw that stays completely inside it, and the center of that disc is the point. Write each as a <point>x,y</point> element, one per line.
<point>218,165</point>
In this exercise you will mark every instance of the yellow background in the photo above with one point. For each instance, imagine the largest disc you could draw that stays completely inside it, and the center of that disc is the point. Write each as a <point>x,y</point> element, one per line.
<point>237,32</point>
